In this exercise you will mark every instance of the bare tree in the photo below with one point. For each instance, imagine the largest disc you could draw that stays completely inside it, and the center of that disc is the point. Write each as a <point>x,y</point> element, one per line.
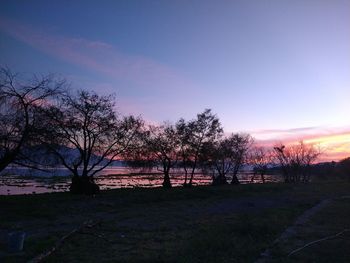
<point>185,149</point>
<point>227,155</point>
<point>160,149</point>
<point>87,135</point>
<point>309,154</point>
<point>217,156</point>
<point>295,160</point>
<point>20,104</point>
<point>260,158</point>
<point>194,134</point>
<point>241,142</point>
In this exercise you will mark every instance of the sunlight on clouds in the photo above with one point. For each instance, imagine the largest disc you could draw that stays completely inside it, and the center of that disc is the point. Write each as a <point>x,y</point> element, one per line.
<point>336,146</point>
<point>331,139</point>
<point>334,143</point>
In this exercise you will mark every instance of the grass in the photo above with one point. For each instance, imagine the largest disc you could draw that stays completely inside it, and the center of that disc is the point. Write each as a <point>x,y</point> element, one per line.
<point>202,224</point>
<point>237,239</point>
<point>328,222</point>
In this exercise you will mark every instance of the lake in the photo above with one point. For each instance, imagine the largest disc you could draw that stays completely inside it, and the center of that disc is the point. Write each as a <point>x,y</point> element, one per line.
<point>14,181</point>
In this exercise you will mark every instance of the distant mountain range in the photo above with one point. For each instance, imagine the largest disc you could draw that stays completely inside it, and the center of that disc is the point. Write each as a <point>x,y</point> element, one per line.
<point>42,156</point>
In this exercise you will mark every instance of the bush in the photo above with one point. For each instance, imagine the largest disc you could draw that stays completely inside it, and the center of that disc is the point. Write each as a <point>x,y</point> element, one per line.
<point>84,185</point>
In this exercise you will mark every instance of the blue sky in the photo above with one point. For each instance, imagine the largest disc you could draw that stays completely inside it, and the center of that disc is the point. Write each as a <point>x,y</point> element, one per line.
<point>263,66</point>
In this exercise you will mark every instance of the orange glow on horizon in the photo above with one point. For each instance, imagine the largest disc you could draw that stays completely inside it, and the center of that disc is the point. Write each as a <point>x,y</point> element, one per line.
<point>335,147</point>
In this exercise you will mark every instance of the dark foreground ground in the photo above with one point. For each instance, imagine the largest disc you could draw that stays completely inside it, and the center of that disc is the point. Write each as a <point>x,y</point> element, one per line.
<point>202,224</point>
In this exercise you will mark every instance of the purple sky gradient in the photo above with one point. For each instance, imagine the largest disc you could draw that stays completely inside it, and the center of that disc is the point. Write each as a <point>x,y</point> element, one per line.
<point>273,68</point>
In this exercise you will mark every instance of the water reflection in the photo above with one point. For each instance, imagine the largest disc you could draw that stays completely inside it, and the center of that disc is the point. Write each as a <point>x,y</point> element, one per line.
<point>34,182</point>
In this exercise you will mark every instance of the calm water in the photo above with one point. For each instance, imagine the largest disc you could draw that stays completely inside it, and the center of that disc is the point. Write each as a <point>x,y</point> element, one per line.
<point>23,181</point>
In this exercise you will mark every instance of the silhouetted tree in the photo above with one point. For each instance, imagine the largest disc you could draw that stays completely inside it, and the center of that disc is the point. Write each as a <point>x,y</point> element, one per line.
<point>160,149</point>
<point>20,104</point>
<point>295,160</point>
<point>87,135</point>
<point>241,142</point>
<point>217,157</point>
<point>185,149</point>
<point>193,135</point>
<point>260,158</point>
<point>227,155</point>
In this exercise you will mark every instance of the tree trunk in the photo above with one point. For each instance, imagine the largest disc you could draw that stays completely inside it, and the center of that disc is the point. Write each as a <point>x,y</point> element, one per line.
<point>186,175</point>
<point>166,180</point>
<point>191,178</point>
<point>234,175</point>
<point>192,172</point>
<point>262,177</point>
<point>252,179</point>
<point>234,179</point>
<point>219,180</point>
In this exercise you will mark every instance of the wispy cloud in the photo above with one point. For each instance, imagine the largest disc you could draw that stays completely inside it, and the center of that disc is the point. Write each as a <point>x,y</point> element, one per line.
<point>334,141</point>
<point>286,131</point>
<point>100,57</point>
<point>142,84</point>
<point>149,75</point>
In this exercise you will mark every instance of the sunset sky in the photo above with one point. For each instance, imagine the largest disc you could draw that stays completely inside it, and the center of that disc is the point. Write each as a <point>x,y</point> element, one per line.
<point>279,70</point>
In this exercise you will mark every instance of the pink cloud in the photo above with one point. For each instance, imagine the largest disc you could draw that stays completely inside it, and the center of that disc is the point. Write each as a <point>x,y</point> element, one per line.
<point>335,142</point>
<point>99,57</point>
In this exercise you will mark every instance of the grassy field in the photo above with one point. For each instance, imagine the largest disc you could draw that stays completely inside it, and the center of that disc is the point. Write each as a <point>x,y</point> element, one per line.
<point>202,224</point>
<point>324,238</point>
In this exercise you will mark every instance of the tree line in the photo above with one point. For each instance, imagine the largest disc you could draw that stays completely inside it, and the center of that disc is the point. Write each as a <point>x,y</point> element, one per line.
<point>84,133</point>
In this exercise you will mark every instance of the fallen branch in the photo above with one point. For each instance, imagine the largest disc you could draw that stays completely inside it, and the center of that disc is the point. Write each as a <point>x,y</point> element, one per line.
<point>60,242</point>
<point>317,241</point>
